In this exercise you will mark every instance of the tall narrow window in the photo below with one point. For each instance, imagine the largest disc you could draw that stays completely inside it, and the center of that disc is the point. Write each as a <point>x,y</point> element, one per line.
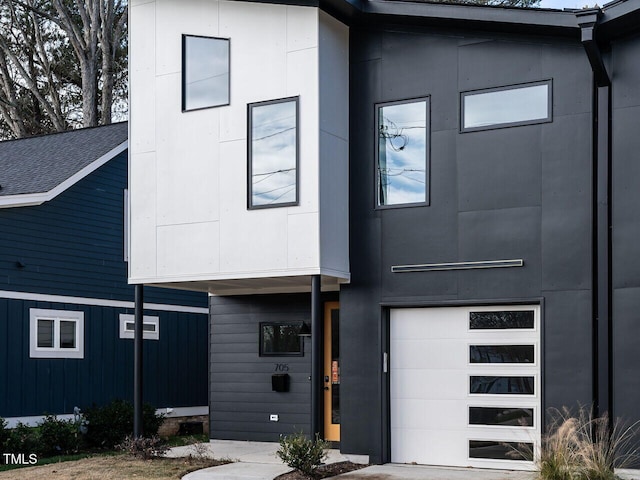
<point>402,153</point>
<point>273,153</point>
<point>205,72</point>
<point>506,106</point>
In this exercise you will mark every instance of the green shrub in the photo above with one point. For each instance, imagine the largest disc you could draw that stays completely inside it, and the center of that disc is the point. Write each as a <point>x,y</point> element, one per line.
<point>110,424</point>
<point>145,448</point>
<point>58,437</point>
<point>24,439</point>
<point>301,453</point>
<point>4,434</point>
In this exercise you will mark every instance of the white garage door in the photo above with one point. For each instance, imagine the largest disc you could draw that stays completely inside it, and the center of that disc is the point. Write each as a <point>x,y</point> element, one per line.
<point>465,385</point>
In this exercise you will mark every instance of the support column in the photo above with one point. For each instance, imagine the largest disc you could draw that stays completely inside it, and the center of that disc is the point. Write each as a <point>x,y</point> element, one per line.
<point>316,355</point>
<point>137,362</point>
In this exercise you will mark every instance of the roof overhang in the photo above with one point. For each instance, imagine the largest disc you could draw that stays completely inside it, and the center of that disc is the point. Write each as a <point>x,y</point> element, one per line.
<point>33,199</point>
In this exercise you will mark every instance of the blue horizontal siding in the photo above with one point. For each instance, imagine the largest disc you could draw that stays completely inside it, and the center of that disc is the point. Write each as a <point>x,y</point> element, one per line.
<point>73,245</point>
<point>175,366</point>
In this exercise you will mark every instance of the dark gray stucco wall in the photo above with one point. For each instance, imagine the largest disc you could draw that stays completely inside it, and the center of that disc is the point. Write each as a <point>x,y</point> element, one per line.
<point>521,192</point>
<point>241,398</point>
<point>625,71</point>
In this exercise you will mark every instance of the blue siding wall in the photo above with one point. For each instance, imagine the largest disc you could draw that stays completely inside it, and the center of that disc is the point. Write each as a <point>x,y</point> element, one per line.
<point>175,372</point>
<point>73,245</point>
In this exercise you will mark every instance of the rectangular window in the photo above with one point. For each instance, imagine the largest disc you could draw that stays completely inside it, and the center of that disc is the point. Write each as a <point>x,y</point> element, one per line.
<point>56,333</point>
<point>205,72</point>
<point>502,385</point>
<point>150,327</point>
<point>506,106</point>
<point>500,450</point>
<point>503,320</point>
<point>501,354</point>
<point>280,339</point>
<point>402,153</point>
<point>501,416</point>
<point>273,153</point>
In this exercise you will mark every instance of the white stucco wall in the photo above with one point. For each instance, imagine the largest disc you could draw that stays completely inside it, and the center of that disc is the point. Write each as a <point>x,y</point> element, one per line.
<point>188,170</point>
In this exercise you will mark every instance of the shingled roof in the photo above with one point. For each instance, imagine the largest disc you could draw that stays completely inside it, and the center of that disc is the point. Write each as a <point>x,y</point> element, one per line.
<point>34,170</point>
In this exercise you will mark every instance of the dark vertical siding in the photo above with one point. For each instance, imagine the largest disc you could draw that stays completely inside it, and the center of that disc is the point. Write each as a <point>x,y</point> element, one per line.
<point>241,398</point>
<point>73,246</point>
<point>625,71</point>
<point>175,368</point>
<point>520,192</point>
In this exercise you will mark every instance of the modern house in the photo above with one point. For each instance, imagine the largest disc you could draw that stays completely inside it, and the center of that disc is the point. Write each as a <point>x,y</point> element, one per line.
<point>65,305</point>
<point>445,194</point>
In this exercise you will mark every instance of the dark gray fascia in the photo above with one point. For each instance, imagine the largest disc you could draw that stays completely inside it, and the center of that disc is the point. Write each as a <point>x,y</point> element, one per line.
<point>588,20</point>
<point>620,18</point>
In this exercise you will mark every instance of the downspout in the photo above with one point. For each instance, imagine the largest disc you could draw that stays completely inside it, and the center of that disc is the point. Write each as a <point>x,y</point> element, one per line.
<point>602,285</point>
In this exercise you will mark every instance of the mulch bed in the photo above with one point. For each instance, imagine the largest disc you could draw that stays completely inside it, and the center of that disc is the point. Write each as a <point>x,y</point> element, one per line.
<point>324,471</point>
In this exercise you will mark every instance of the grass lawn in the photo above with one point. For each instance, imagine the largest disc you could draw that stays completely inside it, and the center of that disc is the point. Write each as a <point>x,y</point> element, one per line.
<point>111,467</point>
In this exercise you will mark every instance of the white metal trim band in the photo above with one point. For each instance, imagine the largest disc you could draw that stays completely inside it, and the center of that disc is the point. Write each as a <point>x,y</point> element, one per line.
<point>433,267</point>
<point>99,302</point>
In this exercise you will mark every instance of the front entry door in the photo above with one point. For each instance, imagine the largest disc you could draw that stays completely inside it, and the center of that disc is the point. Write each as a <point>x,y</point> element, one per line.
<point>331,372</point>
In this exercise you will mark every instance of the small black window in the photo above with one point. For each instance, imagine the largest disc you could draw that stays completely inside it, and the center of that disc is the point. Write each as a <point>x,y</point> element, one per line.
<point>508,106</point>
<point>280,339</point>
<point>502,385</point>
<point>402,153</point>
<point>273,153</point>
<point>504,320</point>
<point>500,450</point>
<point>501,416</point>
<point>501,354</point>
<point>205,72</point>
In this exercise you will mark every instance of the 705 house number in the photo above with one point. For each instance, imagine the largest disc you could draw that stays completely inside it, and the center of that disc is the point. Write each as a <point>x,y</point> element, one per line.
<point>282,367</point>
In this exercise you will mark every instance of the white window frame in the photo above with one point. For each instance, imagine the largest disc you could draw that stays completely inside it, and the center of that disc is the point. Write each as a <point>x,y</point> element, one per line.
<point>125,332</point>
<point>56,316</point>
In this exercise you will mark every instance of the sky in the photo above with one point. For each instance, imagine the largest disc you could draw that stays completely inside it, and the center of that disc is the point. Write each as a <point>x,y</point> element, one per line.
<point>570,3</point>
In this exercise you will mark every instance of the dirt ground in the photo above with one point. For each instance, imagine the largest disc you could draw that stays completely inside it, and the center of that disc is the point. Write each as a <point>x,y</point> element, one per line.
<point>117,467</point>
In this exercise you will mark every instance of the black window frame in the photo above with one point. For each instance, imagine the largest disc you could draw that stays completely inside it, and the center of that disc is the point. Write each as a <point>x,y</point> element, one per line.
<point>184,72</point>
<point>427,160</point>
<point>262,353</point>
<point>264,103</point>
<point>496,126</point>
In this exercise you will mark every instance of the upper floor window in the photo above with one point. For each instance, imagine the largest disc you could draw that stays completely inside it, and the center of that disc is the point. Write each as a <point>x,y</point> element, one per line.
<point>273,153</point>
<point>56,333</point>
<point>506,106</point>
<point>205,72</point>
<point>402,153</point>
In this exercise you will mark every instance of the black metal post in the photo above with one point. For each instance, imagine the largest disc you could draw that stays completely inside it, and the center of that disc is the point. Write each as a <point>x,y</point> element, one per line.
<point>137,362</point>
<point>316,354</point>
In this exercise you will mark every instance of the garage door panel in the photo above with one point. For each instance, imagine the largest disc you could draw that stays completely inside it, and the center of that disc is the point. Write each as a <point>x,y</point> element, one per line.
<point>431,376</point>
<point>428,384</point>
<point>429,354</point>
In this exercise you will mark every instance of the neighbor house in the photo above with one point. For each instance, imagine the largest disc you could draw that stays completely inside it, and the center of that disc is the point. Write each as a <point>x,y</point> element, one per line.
<point>445,194</point>
<point>66,309</point>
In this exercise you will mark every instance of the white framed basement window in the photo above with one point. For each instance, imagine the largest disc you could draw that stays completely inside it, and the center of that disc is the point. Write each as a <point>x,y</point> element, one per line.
<point>56,333</point>
<point>150,326</point>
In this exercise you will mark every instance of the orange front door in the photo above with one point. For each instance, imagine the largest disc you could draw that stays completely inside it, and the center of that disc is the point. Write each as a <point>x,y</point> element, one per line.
<point>332,371</point>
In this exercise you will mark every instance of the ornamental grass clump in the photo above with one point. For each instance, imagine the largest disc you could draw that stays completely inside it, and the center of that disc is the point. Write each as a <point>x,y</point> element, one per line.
<point>301,453</point>
<point>584,447</point>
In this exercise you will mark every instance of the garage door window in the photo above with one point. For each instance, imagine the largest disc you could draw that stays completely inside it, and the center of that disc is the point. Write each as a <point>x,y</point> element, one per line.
<point>501,320</point>
<point>501,354</point>
<point>500,450</point>
<point>501,416</point>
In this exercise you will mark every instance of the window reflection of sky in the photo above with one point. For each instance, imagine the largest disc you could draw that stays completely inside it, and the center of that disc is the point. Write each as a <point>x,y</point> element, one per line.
<point>402,153</point>
<point>506,106</point>
<point>206,72</point>
<point>273,153</point>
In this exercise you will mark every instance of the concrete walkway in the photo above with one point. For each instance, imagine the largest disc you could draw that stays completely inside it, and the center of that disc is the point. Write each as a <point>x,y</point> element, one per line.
<point>258,461</point>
